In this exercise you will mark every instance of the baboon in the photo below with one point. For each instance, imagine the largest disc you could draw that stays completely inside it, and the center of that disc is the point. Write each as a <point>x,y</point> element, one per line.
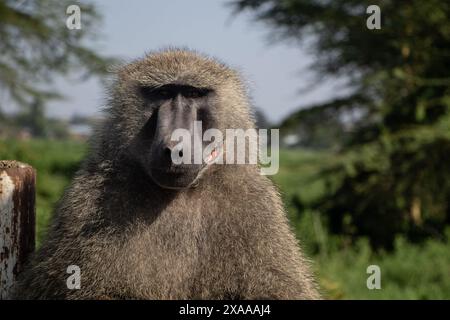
<point>140,227</point>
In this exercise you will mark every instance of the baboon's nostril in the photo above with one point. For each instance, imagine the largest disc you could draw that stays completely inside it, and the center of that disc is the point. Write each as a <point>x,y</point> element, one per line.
<point>168,152</point>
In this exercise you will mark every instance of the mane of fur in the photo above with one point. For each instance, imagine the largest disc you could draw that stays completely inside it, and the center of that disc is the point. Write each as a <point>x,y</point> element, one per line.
<point>227,238</point>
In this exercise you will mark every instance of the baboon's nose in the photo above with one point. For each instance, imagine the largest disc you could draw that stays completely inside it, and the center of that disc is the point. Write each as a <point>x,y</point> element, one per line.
<point>167,152</point>
<point>172,151</point>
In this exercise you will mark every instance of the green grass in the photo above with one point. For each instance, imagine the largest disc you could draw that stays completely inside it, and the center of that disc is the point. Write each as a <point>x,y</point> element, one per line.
<point>409,272</point>
<point>55,163</point>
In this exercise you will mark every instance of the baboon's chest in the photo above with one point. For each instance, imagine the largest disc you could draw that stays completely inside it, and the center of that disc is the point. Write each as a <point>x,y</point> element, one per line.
<point>160,259</point>
<point>161,253</point>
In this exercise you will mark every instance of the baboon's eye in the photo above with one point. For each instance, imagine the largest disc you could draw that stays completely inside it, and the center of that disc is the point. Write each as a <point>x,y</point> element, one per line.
<point>194,93</point>
<point>191,93</point>
<point>146,92</point>
<point>164,93</point>
<point>156,93</point>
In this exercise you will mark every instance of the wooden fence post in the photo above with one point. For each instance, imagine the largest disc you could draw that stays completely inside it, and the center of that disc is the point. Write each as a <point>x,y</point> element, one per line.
<point>17,221</point>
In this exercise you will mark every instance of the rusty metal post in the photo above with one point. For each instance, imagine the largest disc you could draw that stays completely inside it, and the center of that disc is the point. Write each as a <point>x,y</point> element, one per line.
<point>17,221</point>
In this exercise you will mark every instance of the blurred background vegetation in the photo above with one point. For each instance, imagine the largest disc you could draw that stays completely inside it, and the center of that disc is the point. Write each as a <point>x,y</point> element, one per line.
<point>365,177</point>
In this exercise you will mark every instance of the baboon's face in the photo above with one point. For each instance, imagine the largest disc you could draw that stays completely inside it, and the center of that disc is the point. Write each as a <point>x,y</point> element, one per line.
<point>168,108</point>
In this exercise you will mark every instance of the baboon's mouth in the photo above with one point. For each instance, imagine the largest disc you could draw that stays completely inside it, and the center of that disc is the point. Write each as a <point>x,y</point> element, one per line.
<point>182,176</point>
<point>214,154</point>
<point>174,178</point>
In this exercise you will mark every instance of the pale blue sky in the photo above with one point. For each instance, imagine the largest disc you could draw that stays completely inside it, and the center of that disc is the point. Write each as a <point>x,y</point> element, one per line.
<point>275,72</point>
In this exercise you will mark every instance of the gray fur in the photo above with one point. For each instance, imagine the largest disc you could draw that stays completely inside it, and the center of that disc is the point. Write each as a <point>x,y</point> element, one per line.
<point>227,238</point>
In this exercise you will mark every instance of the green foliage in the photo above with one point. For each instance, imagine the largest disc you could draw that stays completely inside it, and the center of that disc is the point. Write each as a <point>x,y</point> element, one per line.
<point>394,170</point>
<point>408,271</point>
<point>36,45</point>
<point>321,126</point>
<point>55,162</point>
<point>400,191</point>
<point>35,120</point>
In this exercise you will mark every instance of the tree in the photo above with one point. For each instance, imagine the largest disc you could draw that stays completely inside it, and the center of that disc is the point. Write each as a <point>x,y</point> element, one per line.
<point>36,46</point>
<point>394,176</point>
<point>260,119</point>
<point>37,119</point>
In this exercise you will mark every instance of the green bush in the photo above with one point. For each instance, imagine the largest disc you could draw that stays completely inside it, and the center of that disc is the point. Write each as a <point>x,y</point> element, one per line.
<point>55,163</point>
<point>408,272</point>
